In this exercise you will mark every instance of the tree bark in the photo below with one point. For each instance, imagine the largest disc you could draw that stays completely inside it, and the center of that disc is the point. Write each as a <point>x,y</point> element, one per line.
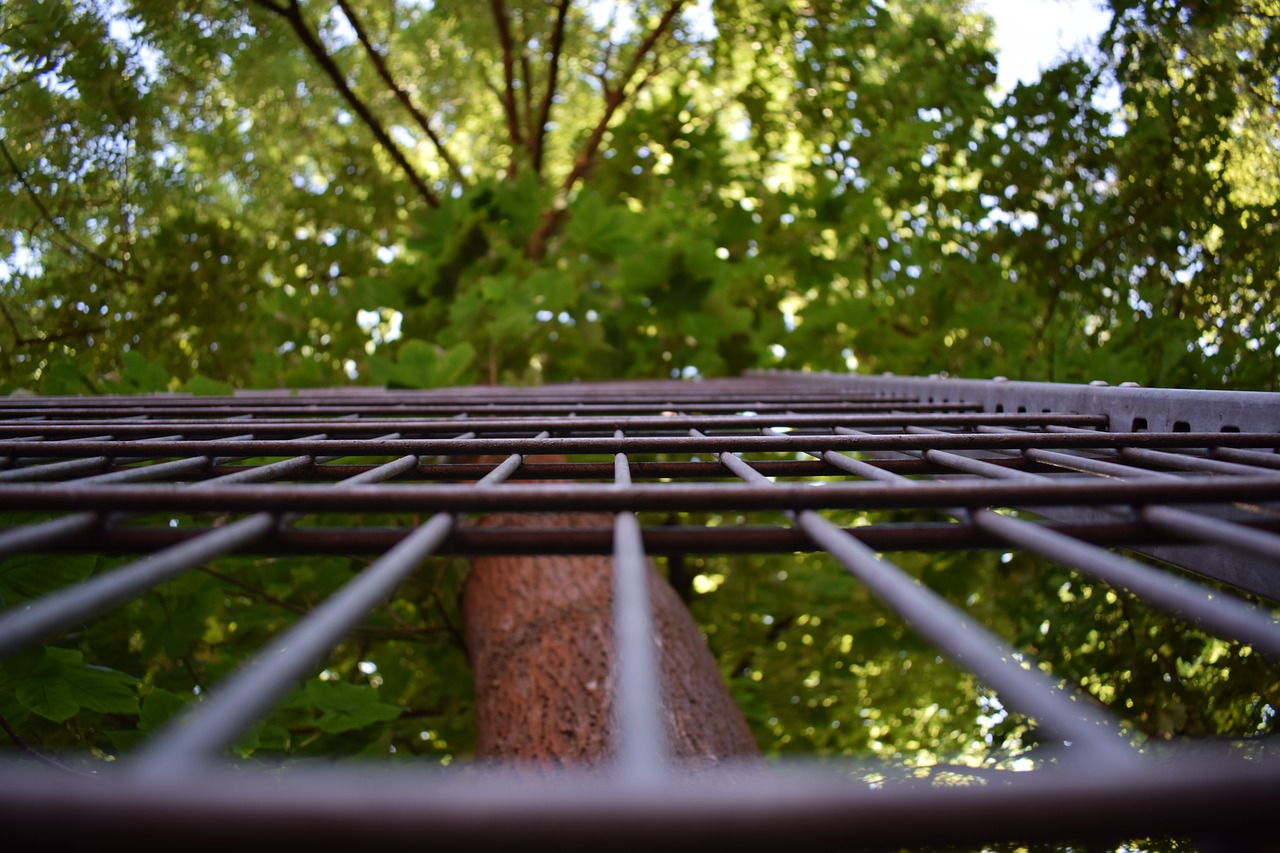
<point>539,635</point>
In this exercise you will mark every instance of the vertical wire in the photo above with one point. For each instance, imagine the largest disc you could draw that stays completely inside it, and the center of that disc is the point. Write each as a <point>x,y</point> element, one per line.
<point>1220,612</point>
<point>26,625</point>
<point>200,734</point>
<point>641,748</point>
<point>950,630</point>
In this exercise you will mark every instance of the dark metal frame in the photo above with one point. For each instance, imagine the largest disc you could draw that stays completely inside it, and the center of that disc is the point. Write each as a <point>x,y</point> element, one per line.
<point>1190,477</point>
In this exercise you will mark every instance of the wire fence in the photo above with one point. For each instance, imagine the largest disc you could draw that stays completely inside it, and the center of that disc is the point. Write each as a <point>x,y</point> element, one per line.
<point>1169,496</point>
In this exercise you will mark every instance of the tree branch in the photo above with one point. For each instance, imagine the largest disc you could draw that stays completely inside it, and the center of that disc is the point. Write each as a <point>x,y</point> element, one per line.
<point>35,753</point>
<point>617,97</point>
<point>50,65</point>
<point>380,64</point>
<point>526,90</point>
<point>60,228</point>
<point>585,161</point>
<point>508,74</point>
<point>539,130</point>
<point>293,14</point>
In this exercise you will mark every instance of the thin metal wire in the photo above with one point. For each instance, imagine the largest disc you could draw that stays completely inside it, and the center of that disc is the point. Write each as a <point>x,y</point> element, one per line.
<point>642,743</point>
<point>1214,610</point>
<point>199,736</point>
<point>733,442</point>
<point>993,661</point>
<point>25,626</point>
<point>641,497</point>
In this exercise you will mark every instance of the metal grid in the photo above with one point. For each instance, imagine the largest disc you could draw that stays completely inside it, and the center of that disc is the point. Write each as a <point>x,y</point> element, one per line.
<point>1068,472</point>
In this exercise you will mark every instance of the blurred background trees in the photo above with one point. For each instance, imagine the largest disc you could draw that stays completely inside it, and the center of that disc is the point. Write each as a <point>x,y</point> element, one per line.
<point>203,195</point>
<point>209,194</point>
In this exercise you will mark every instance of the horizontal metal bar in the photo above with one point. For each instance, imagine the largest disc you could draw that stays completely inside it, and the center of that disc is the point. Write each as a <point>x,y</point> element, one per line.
<point>177,415</point>
<point>630,424</point>
<point>410,497</point>
<point>654,444</point>
<point>35,537</point>
<point>790,807</point>
<point>659,539</point>
<point>641,470</point>
<point>579,394</point>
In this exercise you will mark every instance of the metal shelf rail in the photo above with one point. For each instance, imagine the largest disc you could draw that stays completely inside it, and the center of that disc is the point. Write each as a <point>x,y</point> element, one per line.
<point>1096,475</point>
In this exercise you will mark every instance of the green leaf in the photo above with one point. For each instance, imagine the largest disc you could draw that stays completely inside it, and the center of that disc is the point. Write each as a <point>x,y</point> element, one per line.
<point>57,683</point>
<point>139,376</point>
<point>551,290</point>
<point>49,699</point>
<point>64,376</point>
<point>262,735</point>
<point>204,386</point>
<point>95,687</point>
<point>125,740</point>
<point>347,707</point>
<point>31,576</point>
<point>424,365</point>
<point>607,231</point>
<point>158,707</point>
<point>183,616</point>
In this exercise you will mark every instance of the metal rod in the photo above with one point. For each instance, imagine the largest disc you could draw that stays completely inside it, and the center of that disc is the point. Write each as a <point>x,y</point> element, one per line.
<point>641,747</point>
<point>1218,612</point>
<point>344,806</point>
<point>1184,462</point>
<point>994,662</point>
<point>213,496</point>
<point>892,416</point>
<point>733,442</point>
<point>738,539</point>
<point>34,537</point>
<point>967,447</point>
<point>989,658</point>
<point>198,736</point>
<point>54,470</point>
<point>26,625</point>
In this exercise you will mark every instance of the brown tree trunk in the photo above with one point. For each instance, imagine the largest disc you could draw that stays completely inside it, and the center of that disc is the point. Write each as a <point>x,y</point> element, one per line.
<point>538,631</point>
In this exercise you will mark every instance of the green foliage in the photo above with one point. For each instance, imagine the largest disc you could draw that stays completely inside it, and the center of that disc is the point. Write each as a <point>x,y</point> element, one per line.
<point>56,684</point>
<point>419,364</point>
<point>29,576</point>
<point>345,707</point>
<point>819,667</point>
<point>801,186</point>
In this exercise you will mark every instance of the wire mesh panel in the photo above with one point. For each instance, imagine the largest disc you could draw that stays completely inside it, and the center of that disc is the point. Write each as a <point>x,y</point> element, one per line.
<point>1154,501</point>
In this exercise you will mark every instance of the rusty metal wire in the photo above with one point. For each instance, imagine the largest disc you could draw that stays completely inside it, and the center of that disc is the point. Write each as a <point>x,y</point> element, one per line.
<point>1085,476</point>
